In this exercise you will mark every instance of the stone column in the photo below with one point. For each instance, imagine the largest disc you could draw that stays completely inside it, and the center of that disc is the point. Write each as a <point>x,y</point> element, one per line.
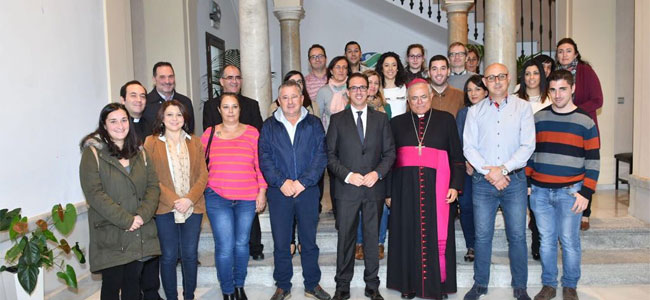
<point>289,18</point>
<point>640,178</point>
<point>457,19</point>
<point>255,54</point>
<point>500,36</point>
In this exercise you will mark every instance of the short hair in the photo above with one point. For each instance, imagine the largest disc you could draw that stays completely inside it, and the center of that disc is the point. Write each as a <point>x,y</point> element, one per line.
<point>288,83</point>
<point>316,46</point>
<point>159,125</point>
<point>561,75</point>
<point>307,100</point>
<point>454,44</point>
<point>478,55</point>
<point>425,82</point>
<point>543,84</point>
<point>351,43</point>
<point>161,64</point>
<point>229,66</point>
<point>545,59</point>
<point>226,94</point>
<point>333,63</point>
<point>408,50</point>
<point>126,85</point>
<point>477,80</point>
<point>439,57</point>
<point>356,75</point>
<point>131,144</point>
<point>400,78</point>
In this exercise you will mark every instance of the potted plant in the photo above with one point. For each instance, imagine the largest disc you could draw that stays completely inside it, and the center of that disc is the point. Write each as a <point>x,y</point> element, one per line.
<point>39,248</point>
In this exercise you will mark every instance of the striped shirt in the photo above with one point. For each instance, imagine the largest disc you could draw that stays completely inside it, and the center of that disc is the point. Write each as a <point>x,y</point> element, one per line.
<point>567,151</point>
<point>313,84</point>
<point>234,171</point>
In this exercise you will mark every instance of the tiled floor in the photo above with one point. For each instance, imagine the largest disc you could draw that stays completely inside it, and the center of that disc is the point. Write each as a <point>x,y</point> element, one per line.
<point>607,204</point>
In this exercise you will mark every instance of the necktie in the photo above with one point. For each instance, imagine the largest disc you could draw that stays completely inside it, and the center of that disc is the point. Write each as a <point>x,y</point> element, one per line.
<point>360,126</point>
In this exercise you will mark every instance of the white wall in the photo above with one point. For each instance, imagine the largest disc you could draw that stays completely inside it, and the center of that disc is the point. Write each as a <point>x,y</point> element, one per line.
<point>623,126</point>
<point>54,82</point>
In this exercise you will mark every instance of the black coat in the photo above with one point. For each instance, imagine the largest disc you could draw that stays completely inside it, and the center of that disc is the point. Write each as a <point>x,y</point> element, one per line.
<point>154,101</point>
<point>345,153</point>
<point>249,113</point>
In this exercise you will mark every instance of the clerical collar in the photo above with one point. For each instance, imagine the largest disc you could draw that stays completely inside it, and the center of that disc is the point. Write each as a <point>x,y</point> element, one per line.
<point>165,98</point>
<point>460,73</point>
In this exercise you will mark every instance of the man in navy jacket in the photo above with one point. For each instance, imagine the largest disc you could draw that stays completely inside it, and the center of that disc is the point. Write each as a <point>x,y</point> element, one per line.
<point>292,159</point>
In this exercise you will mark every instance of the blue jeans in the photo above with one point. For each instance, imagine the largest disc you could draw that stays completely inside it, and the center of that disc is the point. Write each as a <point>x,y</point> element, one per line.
<point>178,240</point>
<point>383,226</point>
<point>514,201</point>
<point>282,211</point>
<point>552,208</point>
<point>231,222</point>
<point>467,212</point>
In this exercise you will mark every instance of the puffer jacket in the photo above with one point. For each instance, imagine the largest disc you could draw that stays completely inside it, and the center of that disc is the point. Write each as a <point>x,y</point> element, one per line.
<point>115,197</point>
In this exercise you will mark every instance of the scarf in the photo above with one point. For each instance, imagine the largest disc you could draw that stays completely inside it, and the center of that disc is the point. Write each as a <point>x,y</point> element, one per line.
<point>571,67</point>
<point>179,159</point>
<point>339,99</point>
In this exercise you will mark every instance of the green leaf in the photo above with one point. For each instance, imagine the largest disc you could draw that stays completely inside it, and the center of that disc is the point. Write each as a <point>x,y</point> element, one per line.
<point>27,274</point>
<point>78,253</point>
<point>16,249</point>
<point>12,232</point>
<point>48,259</point>
<point>69,276</point>
<point>50,236</point>
<point>64,220</point>
<point>6,217</point>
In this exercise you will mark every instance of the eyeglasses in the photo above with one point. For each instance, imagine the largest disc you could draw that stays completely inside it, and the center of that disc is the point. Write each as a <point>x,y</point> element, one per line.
<point>355,89</point>
<point>317,57</point>
<point>452,54</point>
<point>418,56</point>
<point>230,78</point>
<point>500,77</point>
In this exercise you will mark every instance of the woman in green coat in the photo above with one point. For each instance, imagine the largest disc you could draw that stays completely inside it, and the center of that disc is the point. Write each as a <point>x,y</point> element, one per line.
<point>121,188</point>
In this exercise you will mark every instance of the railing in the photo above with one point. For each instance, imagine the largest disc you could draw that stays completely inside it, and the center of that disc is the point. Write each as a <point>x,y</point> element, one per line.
<point>531,12</point>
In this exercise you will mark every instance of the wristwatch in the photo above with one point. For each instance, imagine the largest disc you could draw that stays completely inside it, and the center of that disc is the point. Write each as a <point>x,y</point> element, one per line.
<point>504,171</point>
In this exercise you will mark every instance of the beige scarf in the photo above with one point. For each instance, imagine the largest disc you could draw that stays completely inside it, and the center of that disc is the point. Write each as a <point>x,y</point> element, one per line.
<point>180,161</point>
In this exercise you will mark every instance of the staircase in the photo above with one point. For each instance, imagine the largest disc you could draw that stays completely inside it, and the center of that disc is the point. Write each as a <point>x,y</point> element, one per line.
<point>615,251</point>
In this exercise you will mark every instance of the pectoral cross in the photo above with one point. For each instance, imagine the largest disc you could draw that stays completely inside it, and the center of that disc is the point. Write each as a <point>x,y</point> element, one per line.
<point>419,148</point>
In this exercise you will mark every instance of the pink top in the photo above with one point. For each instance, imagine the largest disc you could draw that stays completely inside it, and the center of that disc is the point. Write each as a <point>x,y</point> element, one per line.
<point>313,84</point>
<point>234,170</point>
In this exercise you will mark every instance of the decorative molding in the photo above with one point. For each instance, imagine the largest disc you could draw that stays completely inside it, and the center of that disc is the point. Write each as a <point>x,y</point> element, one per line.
<point>455,6</point>
<point>289,13</point>
<point>637,181</point>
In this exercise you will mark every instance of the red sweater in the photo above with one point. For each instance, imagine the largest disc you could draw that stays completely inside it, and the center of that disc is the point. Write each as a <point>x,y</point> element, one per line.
<point>588,94</point>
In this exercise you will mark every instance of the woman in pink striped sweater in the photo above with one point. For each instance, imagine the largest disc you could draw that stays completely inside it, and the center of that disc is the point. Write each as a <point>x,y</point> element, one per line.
<point>236,190</point>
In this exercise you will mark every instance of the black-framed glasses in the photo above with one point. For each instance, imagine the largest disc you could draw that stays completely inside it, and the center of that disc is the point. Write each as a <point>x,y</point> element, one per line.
<point>317,57</point>
<point>362,88</point>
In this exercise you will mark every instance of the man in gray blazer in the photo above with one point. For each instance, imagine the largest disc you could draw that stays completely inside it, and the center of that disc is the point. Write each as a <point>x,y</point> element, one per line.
<point>360,152</point>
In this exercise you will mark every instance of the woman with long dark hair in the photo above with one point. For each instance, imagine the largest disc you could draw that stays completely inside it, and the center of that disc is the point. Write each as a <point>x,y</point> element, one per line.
<point>121,189</point>
<point>311,106</point>
<point>180,165</point>
<point>533,86</point>
<point>588,94</point>
<point>393,77</point>
<point>475,91</point>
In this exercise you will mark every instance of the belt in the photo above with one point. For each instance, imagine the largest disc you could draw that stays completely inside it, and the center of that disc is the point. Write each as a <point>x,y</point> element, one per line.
<point>515,171</point>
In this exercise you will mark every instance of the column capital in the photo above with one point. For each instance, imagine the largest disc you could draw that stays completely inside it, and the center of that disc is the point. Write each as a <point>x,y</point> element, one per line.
<point>289,13</point>
<point>454,6</point>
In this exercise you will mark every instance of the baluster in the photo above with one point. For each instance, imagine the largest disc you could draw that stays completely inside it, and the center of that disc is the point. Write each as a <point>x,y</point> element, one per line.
<point>430,12</point>
<point>521,23</point>
<point>402,2</point>
<point>541,28</point>
<point>531,27</point>
<point>550,28</point>
<point>421,7</point>
<point>411,4</point>
<point>475,22</point>
<point>484,21</point>
<point>438,17</point>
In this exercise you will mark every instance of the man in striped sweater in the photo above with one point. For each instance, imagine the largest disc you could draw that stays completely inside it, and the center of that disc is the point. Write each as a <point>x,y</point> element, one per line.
<point>562,174</point>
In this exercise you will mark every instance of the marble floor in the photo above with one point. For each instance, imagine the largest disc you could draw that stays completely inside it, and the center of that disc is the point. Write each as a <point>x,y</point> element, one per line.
<point>607,204</point>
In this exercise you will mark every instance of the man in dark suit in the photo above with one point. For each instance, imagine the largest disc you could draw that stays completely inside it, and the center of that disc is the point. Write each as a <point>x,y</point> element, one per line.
<point>360,152</point>
<point>249,113</point>
<point>164,90</point>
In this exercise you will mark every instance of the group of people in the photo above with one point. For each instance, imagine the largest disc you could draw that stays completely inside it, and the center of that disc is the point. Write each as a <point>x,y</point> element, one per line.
<point>401,141</point>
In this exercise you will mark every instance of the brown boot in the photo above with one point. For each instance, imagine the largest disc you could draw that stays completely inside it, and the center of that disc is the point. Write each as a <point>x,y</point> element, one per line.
<point>381,251</point>
<point>358,253</point>
<point>569,293</point>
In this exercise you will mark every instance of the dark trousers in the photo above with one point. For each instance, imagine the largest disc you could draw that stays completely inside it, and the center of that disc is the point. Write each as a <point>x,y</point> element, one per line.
<point>332,179</point>
<point>150,281</point>
<point>255,245</point>
<point>347,220</point>
<point>124,278</point>
<point>282,211</point>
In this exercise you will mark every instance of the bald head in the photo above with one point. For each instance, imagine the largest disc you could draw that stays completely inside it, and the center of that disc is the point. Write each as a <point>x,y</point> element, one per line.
<point>496,79</point>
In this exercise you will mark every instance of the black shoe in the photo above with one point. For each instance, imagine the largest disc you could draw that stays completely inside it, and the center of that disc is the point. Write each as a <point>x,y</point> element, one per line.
<point>240,294</point>
<point>258,256</point>
<point>228,296</point>
<point>341,295</point>
<point>281,294</point>
<point>408,295</point>
<point>520,294</point>
<point>469,256</point>
<point>373,294</point>
<point>318,293</point>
